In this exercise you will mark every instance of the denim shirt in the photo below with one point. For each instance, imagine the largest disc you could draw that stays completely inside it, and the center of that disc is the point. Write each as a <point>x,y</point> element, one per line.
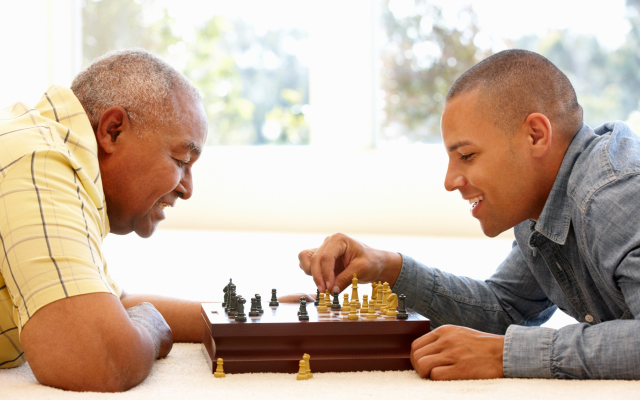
<point>582,255</point>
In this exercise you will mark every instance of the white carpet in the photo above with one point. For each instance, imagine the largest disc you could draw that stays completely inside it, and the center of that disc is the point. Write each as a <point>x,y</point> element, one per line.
<point>184,375</point>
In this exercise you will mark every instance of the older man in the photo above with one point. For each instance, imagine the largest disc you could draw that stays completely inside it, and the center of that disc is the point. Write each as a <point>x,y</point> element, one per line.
<point>521,155</point>
<point>107,155</point>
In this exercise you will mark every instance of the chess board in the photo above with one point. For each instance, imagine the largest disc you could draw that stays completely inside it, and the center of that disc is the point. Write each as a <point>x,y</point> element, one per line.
<point>276,341</point>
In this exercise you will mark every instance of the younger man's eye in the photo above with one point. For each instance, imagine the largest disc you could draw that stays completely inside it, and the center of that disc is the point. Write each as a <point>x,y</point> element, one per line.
<point>465,157</point>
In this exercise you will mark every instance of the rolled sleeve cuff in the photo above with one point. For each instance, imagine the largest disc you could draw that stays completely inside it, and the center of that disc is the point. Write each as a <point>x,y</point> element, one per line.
<point>527,352</point>
<point>416,282</point>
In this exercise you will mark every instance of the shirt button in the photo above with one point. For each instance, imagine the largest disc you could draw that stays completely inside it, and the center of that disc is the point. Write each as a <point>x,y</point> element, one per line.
<point>588,318</point>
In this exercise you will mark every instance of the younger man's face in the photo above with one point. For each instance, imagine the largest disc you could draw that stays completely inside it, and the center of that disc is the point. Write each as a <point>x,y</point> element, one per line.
<point>489,167</point>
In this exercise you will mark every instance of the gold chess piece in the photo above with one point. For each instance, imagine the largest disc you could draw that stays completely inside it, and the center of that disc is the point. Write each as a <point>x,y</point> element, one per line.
<point>365,304</point>
<point>219,369</point>
<point>327,299</point>
<point>378,296</point>
<point>372,311</point>
<point>385,294</point>
<point>353,314</point>
<point>306,358</point>
<point>354,290</point>
<point>322,306</point>
<point>345,303</point>
<point>374,291</point>
<point>302,371</point>
<point>392,304</point>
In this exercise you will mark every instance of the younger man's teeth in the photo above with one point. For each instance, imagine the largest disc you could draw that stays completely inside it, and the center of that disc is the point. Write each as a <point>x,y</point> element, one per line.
<point>163,205</point>
<point>476,199</point>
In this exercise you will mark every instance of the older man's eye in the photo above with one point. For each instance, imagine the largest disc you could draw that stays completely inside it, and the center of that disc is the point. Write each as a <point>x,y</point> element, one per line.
<point>181,163</point>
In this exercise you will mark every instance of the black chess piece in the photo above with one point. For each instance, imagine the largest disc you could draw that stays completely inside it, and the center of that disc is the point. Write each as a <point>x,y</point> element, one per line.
<point>226,294</point>
<point>254,308</point>
<point>241,316</point>
<point>402,310</point>
<point>317,302</point>
<point>274,299</point>
<point>336,302</point>
<point>233,302</point>
<point>259,304</point>
<point>230,297</point>
<point>303,315</point>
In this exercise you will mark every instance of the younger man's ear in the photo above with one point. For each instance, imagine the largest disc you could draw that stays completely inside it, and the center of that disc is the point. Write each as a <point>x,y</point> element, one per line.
<point>539,134</point>
<point>112,123</point>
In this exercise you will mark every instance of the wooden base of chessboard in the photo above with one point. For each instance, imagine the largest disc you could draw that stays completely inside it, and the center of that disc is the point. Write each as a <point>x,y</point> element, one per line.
<point>276,341</point>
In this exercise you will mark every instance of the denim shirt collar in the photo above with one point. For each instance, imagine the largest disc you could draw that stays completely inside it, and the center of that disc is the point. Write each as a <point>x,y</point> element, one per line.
<point>555,218</point>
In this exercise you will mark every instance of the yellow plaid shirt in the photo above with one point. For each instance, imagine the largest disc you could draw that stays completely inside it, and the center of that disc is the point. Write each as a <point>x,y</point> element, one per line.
<point>52,213</point>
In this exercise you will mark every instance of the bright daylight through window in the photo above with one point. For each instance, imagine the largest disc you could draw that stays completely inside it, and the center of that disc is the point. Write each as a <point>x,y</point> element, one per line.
<point>253,59</point>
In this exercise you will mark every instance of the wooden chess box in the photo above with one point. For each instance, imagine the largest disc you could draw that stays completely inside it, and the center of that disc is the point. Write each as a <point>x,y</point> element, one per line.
<point>276,341</point>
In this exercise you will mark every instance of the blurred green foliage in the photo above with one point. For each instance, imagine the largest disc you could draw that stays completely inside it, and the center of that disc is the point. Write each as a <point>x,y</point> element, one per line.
<point>246,78</point>
<point>423,55</point>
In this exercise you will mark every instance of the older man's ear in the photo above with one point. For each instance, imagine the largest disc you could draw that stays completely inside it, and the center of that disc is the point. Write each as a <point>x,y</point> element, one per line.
<point>113,123</point>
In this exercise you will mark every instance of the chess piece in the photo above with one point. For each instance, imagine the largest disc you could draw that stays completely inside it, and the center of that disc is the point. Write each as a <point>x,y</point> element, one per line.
<point>322,307</point>
<point>302,371</point>
<point>317,302</point>
<point>233,302</point>
<point>392,303</point>
<point>385,293</point>
<point>327,298</point>
<point>346,306</point>
<point>274,299</point>
<point>354,290</point>
<point>374,291</point>
<point>259,304</point>
<point>372,311</point>
<point>402,310</point>
<point>241,317</point>
<point>378,296</point>
<point>336,303</point>
<point>254,308</point>
<point>219,369</point>
<point>303,315</point>
<point>226,294</point>
<point>353,314</point>
<point>365,304</point>
<point>306,358</point>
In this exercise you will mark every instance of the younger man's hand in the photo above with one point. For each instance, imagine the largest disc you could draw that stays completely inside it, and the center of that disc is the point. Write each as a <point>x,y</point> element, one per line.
<point>453,352</point>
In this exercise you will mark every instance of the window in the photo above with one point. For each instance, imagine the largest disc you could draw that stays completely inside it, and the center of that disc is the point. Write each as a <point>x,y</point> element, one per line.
<point>250,59</point>
<point>426,45</point>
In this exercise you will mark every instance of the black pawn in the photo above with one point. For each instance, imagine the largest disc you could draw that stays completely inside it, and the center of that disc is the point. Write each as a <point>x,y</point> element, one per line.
<point>274,299</point>
<point>254,308</point>
<point>336,302</point>
<point>317,302</point>
<point>259,304</point>
<point>302,313</point>
<point>402,310</point>
<point>241,317</point>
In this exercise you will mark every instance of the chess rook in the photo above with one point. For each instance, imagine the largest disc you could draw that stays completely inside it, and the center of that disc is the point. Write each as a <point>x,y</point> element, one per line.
<point>241,316</point>
<point>402,309</point>
<point>254,308</point>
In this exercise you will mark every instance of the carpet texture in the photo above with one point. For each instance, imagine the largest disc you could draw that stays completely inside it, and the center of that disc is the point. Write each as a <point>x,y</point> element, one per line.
<point>184,375</point>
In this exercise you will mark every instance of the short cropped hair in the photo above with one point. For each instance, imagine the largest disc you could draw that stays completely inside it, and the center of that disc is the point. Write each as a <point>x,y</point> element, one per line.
<point>140,82</point>
<point>516,83</point>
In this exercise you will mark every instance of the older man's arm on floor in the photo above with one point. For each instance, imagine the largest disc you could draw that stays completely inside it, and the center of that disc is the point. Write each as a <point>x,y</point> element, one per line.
<point>183,316</point>
<point>90,343</point>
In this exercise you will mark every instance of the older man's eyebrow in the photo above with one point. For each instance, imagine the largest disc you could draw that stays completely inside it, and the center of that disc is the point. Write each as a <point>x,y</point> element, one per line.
<point>193,147</point>
<point>455,146</point>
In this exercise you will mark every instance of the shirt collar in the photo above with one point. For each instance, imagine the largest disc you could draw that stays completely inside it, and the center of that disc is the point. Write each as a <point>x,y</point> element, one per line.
<point>555,219</point>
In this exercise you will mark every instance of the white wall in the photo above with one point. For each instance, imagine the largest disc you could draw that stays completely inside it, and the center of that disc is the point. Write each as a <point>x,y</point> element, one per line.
<point>40,45</point>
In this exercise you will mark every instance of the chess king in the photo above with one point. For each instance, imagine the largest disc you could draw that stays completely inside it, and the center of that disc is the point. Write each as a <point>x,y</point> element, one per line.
<point>519,152</point>
<point>107,155</point>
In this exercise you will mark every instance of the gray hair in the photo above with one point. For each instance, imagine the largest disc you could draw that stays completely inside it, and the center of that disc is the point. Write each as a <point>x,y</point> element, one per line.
<point>140,82</point>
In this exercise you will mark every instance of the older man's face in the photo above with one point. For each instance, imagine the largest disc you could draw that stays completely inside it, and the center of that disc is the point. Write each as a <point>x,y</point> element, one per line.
<point>153,171</point>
